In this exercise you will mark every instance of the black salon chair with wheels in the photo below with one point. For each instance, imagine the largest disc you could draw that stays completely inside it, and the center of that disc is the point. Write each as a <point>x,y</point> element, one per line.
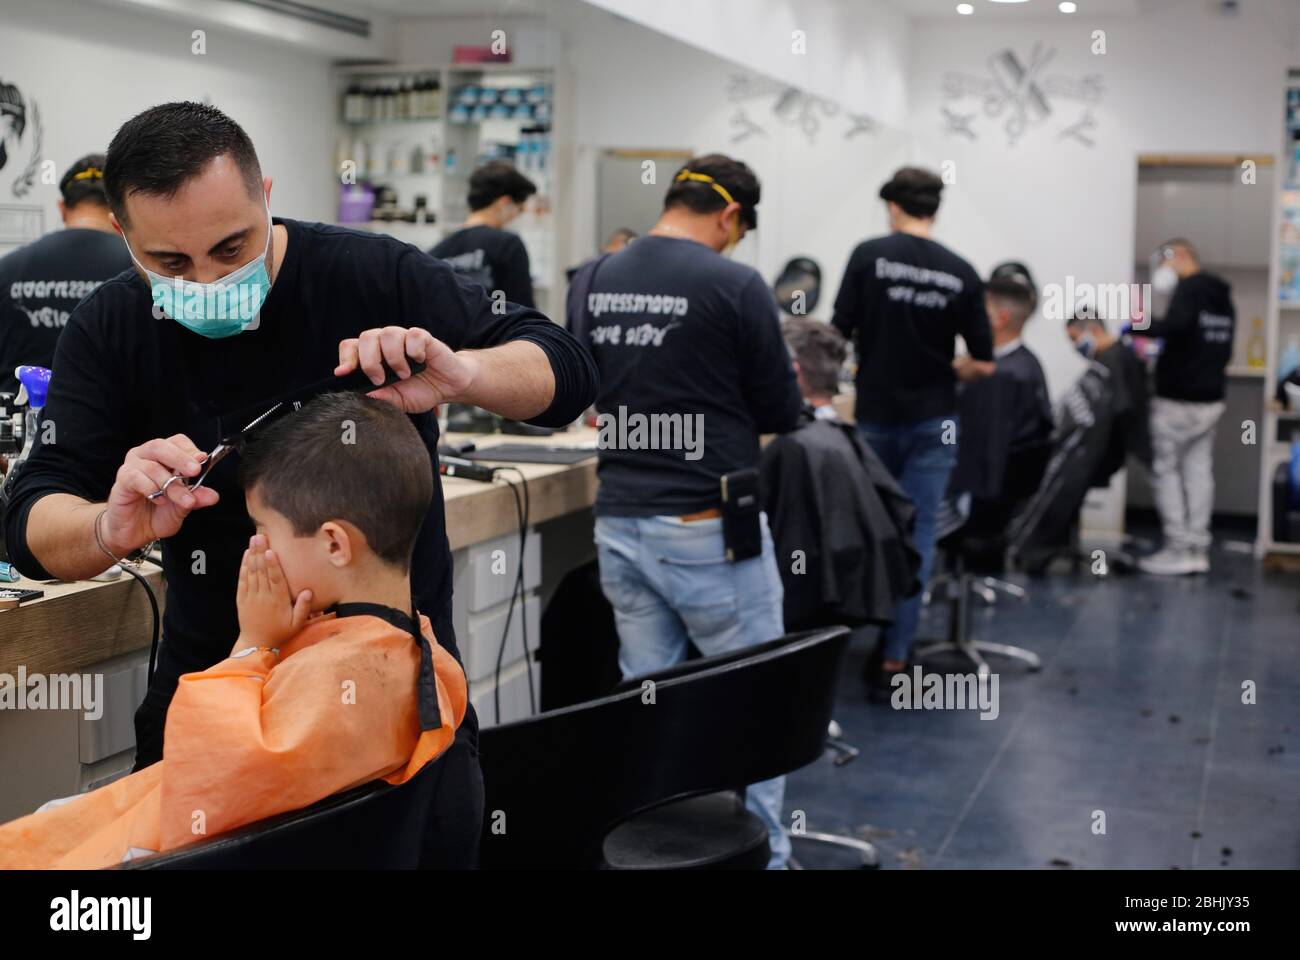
<point>977,546</point>
<point>376,826</point>
<point>650,777</point>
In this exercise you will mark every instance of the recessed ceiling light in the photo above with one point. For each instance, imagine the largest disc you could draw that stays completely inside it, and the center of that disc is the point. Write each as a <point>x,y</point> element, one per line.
<point>965,9</point>
<point>1067,6</point>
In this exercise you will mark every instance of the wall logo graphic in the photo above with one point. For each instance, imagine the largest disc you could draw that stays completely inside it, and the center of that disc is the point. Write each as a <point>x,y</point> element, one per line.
<point>1018,96</point>
<point>21,134</point>
<point>790,107</point>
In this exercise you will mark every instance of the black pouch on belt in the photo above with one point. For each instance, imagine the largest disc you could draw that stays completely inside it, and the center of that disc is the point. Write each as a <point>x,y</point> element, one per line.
<point>742,531</point>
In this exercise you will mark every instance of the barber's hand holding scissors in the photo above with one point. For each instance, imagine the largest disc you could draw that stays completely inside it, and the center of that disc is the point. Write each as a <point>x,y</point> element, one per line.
<point>446,376</point>
<point>132,519</point>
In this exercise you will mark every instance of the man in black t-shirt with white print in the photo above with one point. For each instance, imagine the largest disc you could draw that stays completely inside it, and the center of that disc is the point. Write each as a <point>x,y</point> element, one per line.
<point>484,251</point>
<point>693,369</point>
<point>904,300</point>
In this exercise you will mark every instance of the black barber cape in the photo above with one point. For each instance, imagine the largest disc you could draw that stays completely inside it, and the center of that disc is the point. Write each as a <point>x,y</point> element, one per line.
<point>1082,440</point>
<point>828,495</point>
<point>1130,406</point>
<point>1006,422</point>
<point>123,376</point>
<point>41,284</point>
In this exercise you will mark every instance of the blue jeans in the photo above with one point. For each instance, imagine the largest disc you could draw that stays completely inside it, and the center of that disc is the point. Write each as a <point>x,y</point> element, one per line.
<point>669,582</point>
<point>922,464</point>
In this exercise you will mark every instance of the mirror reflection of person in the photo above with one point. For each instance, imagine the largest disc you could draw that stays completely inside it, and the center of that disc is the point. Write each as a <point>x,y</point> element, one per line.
<point>41,283</point>
<point>484,250</point>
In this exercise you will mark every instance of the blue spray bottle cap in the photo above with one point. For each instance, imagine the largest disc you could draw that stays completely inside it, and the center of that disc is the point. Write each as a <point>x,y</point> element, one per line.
<point>37,382</point>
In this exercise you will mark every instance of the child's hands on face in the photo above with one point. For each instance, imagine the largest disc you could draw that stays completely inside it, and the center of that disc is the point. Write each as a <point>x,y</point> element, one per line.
<point>268,614</point>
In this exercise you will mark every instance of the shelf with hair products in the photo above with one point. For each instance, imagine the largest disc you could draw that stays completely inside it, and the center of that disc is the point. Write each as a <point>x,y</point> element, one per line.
<point>1279,433</point>
<point>408,136</point>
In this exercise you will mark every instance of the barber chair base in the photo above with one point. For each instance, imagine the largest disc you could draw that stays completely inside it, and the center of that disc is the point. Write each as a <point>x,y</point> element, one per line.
<point>845,752</point>
<point>959,642</point>
<point>712,832</point>
<point>868,858</point>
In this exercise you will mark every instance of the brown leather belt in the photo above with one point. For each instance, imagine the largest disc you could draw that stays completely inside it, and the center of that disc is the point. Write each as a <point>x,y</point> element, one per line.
<point>710,514</point>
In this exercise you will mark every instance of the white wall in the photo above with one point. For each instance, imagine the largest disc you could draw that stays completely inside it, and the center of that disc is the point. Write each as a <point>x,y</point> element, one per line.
<point>852,51</point>
<point>1192,83</point>
<point>89,67</point>
<point>636,88</point>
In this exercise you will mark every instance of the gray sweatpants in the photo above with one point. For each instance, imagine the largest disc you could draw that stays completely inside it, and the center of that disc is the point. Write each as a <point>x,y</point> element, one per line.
<point>1182,440</point>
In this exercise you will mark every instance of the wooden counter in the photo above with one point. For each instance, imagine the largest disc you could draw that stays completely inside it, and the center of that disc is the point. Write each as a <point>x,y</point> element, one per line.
<point>480,511</point>
<point>77,624</point>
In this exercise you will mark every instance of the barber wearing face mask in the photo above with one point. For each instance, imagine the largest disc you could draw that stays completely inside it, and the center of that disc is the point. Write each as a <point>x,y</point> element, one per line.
<point>1191,381</point>
<point>483,249</point>
<point>156,367</point>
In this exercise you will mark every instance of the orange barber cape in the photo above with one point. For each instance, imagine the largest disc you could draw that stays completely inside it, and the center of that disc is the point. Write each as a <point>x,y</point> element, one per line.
<point>258,735</point>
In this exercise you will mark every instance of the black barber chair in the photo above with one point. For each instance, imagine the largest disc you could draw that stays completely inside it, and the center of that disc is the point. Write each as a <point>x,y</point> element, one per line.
<point>375,826</point>
<point>977,546</point>
<point>626,783</point>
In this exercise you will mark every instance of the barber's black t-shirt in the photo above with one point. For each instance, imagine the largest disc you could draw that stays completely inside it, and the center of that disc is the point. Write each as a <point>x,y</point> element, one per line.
<point>904,299</point>
<point>122,377</point>
<point>494,259</point>
<point>692,369</point>
<point>41,283</point>
<point>1197,328</point>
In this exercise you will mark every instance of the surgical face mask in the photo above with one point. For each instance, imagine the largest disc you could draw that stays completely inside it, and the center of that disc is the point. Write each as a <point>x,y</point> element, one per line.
<point>1164,279</point>
<point>1086,345</point>
<point>223,308</point>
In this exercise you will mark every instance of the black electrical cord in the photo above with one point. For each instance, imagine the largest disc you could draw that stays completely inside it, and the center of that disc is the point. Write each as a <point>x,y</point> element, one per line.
<point>523,593</point>
<point>153,604</point>
<point>522,508</point>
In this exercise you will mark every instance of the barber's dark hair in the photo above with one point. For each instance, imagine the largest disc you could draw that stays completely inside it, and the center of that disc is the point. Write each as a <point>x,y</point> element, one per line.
<point>732,175</point>
<point>820,350</point>
<point>84,182</point>
<point>498,179</point>
<point>156,152</point>
<point>345,456</point>
<point>915,190</point>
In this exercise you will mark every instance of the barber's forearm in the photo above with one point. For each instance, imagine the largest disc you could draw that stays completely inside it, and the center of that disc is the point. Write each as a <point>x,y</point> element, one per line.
<point>61,536</point>
<point>513,380</point>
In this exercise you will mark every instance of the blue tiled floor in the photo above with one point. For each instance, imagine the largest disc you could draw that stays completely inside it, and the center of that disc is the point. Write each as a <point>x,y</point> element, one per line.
<point>1137,713</point>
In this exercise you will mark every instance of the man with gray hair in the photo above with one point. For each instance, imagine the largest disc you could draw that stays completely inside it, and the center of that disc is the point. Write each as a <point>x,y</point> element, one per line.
<point>842,525</point>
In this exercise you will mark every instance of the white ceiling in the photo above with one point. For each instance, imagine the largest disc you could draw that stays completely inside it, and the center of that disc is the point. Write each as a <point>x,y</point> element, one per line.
<point>458,8</point>
<point>935,9</point>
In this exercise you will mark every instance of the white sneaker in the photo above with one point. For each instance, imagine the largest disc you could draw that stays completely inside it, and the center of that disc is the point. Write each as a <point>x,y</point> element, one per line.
<point>1171,562</point>
<point>1200,560</point>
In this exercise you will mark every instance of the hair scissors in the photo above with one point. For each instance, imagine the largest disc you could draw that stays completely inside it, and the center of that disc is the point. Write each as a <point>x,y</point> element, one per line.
<point>357,380</point>
<point>219,453</point>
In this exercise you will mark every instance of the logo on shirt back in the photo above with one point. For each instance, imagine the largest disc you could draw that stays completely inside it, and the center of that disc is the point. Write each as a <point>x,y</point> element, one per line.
<point>913,276</point>
<point>1215,327</point>
<point>45,314</point>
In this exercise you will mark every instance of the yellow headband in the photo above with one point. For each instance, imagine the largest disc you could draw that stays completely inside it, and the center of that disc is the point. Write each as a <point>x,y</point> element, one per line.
<point>705,178</point>
<point>90,173</point>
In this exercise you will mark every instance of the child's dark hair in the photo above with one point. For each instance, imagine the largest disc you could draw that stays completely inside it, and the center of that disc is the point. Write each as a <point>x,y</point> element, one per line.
<point>345,456</point>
